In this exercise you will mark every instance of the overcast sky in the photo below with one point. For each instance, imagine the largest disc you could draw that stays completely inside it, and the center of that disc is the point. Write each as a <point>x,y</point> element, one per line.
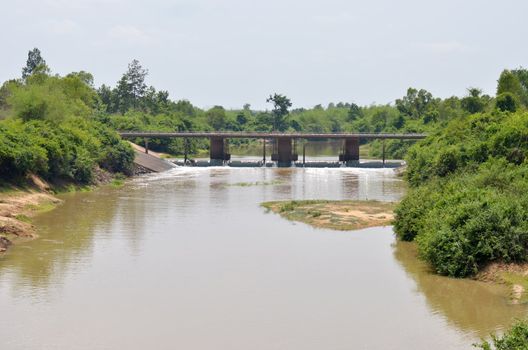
<point>233,52</point>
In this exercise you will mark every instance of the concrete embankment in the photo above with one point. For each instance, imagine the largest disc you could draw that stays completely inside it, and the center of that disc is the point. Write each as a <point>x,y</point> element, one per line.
<point>149,163</point>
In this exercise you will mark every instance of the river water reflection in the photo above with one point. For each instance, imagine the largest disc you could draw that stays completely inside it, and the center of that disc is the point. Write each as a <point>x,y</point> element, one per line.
<point>189,260</point>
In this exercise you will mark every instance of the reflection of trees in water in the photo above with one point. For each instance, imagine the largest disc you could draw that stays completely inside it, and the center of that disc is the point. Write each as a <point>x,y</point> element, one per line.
<point>470,305</point>
<point>66,237</point>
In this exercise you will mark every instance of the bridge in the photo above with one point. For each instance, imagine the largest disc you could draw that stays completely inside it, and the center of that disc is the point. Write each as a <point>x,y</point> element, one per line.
<point>284,144</point>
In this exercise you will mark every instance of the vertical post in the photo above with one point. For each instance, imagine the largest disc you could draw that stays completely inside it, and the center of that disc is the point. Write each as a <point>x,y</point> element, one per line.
<point>146,145</point>
<point>304,153</point>
<point>184,151</point>
<point>383,152</point>
<point>264,152</point>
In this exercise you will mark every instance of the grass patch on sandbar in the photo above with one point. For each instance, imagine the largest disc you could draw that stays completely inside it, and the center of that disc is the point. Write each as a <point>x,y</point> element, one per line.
<point>343,215</point>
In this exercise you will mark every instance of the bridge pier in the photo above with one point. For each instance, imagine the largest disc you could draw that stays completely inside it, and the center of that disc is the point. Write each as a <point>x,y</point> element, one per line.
<point>350,151</point>
<point>264,152</point>
<point>218,153</point>
<point>283,152</point>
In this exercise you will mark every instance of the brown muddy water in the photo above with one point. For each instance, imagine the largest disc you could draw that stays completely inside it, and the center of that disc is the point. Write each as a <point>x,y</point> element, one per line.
<point>189,260</point>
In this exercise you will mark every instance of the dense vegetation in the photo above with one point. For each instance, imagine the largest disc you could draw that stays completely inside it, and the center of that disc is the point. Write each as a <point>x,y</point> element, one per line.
<point>466,206</point>
<point>50,128</point>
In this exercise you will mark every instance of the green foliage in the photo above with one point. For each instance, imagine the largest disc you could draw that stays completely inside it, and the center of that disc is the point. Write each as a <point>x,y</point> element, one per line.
<point>34,63</point>
<point>514,339</point>
<point>52,133</point>
<point>506,102</point>
<point>216,117</point>
<point>509,83</point>
<point>474,102</point>
<point>464,209</point>
<point>280,110</point>
<point>415,103</point>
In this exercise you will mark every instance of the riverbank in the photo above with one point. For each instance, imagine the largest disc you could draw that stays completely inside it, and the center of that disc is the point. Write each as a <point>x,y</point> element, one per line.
<point>18,205</point>
<point>336,215</point>
<point>22,201</point>
<point>514,276</point>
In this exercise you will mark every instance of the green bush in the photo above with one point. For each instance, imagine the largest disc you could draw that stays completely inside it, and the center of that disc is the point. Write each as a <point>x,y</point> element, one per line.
<point>464,221</point>
<point>514,339</point>
<point>472,228</point>
<point>51,131</point>
<point>411,212</point>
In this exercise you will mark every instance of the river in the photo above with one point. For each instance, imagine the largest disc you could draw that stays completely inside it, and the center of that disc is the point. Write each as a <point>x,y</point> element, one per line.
<point>189,260</point>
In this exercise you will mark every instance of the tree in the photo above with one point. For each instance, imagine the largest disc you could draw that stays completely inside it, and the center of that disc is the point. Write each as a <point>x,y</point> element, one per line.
<point>522,75</point>
<point>509,82</point>
<point>131,87</point>
<point>216,117</point>
<point>241,118</point>
<point>33,62</point>
<point>83,76</point>
<point>473,103</point>
<point>506,102</point>
<point>354,112</point>
<point>280,110</point>
<point>415,103</point>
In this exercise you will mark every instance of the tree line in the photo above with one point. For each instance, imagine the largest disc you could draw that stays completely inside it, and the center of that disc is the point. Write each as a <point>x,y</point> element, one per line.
<point>38,96</point>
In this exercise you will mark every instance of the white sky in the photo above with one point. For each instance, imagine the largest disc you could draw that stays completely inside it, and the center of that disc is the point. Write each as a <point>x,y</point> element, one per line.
<point>234,51</point>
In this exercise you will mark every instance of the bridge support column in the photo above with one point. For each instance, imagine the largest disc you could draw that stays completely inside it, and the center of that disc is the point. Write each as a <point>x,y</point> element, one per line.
<point>383,152</point>
<point>350,151</point>
<point>283,152</point>
<point>304,154</point>
<point>146,145</point>
<point>185,150</point>
<point>264,152</point>
<point>218,151</point>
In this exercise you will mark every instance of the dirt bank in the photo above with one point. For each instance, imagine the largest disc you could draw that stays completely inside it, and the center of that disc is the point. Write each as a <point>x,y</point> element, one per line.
<point>18,205</point>
<point>515,276</point>
<point>335,215</point>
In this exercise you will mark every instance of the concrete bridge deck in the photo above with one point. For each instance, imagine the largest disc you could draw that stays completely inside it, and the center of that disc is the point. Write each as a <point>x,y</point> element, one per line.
<point>271,135</point>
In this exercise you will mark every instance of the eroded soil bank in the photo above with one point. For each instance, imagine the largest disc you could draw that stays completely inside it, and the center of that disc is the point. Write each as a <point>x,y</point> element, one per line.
<point>18,205</point>
<point>336,215</point>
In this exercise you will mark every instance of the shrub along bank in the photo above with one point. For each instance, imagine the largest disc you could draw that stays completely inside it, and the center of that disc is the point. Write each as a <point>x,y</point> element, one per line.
<point>467,205</point>
<point>49,128</point>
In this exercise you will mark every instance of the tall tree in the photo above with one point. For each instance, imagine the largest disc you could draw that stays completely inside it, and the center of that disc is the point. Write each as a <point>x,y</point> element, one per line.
<point>131,87</point>
<point>216,117</point>
<point>415,103</point>
<point>509,82</point>
<point>34,61</point>
<point>354,112</point>
<point>522,75</point>
<point>473,103</point>
<point>280,110</point>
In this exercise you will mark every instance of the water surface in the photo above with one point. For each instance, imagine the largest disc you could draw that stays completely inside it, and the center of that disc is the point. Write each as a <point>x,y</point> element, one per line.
<point>189,260</point>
